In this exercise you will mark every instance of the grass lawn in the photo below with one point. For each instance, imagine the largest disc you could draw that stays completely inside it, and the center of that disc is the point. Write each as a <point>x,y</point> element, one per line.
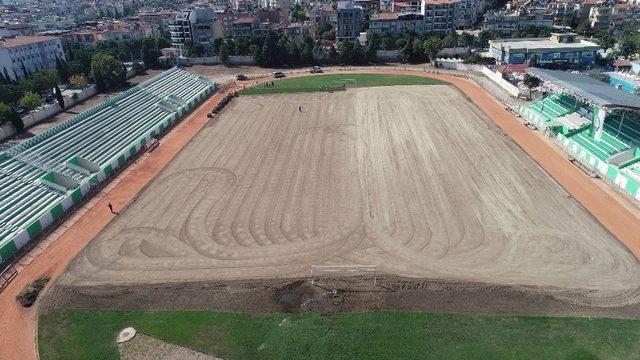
<point>90,334</point>
<point>313,83</point>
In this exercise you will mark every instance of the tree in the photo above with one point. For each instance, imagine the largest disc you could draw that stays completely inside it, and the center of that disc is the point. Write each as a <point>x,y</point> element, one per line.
<point>10,94</point>
<point>584,28</point>
<point>606,41</point>
<point>31,100</point>
<point>44,80</point>
<point>531,82</point>
<point>107,72</point>
<point>628,47</point>
<point>533,61</point>
<point>432,47</point>
<point>150,53</point>
<point>450,41</point>
<point>484,36</point>
<point>63,69</point>
<point>8,115</point>
<point>59,97</point>
<point>466,39</point>
<point>224,53</point>
<point>345,52</point>
<point>297,14</point>
<point>333,54</point>
<point>138,68</point>
<point>386,43</point>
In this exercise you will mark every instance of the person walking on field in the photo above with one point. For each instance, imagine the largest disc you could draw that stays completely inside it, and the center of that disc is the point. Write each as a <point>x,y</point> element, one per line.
<point>300,108</point>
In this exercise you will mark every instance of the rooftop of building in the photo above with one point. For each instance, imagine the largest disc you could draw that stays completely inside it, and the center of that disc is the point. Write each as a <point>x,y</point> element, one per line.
<point>24,40</point>
<point>328,8</point>
<point>441,2</point>
<point>588,88</point>
<point>244,20</point>
<point>386,16</point>
<point>621,63</point>
<point>541,43</point>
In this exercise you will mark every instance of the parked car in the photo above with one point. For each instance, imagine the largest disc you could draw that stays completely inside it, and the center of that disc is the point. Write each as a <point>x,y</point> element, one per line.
<point>279,75</point>
<point>316,70</point>
<point>241,77</point>
<point>21,110</point>
<point>49,98</point>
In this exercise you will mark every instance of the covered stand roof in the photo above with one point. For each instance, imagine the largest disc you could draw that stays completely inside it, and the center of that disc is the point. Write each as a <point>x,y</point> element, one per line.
<point>589,89</point>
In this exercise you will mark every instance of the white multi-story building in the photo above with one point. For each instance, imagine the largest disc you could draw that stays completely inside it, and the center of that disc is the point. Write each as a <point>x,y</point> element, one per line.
<point>196,26</point>
<point>508,21</point>
<point>615,17</point>
<point>468,12</point>
<point>32,53</point>
<point>430,16</point>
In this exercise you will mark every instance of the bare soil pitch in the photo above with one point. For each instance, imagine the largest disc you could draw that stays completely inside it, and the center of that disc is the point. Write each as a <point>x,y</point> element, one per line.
<point>415,180</point>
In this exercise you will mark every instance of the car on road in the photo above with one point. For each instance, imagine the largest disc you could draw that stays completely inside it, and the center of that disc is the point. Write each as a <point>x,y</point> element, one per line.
<point>316,70</point>
<point>22,110</point>
<point>49,98</point>
<point>279,75</point>
<point>241,77</point>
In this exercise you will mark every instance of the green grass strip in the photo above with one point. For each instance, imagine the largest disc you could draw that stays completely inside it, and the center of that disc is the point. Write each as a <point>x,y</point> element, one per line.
<point>90,334</point>
<point>334,82</point>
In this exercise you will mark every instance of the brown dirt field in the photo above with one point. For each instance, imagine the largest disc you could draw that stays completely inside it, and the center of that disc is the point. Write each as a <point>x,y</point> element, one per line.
<point>353,294</point>
<point>415,180</point>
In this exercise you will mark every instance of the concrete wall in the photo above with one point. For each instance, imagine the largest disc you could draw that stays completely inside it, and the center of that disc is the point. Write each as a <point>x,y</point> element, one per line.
<point>497,78</point>
<point>387,55</point>
<point>47,111</point>
<point>454,51</point>
<point>214,60</point>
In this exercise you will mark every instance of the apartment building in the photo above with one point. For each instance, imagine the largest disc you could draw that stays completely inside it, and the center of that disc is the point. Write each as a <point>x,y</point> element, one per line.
<point>349,21</point>
<point>508,21</point>
<point>195,25</point>
<point>32,53</point>
<point>440,16</point>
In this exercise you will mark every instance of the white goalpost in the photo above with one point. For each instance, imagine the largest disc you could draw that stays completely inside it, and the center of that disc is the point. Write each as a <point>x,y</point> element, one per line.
<point>336,270</point>
<point>345,82</point>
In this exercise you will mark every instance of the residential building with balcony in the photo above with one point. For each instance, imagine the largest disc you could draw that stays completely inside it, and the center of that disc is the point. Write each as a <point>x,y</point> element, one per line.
<point>195,25</point>
<point>508,21</point>
<point>440,16</point>
<point>349,21</point>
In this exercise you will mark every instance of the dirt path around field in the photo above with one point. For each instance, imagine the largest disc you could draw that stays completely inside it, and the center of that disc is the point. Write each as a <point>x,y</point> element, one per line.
<point>18,325</point>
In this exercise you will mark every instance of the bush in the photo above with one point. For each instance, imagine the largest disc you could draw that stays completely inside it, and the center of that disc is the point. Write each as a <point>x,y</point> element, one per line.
<point>78,81</point>
<point>74,96</point>
<point>9,115</point>
<point>137,68</point>
<point>29,294</point>
<point>31,100</point>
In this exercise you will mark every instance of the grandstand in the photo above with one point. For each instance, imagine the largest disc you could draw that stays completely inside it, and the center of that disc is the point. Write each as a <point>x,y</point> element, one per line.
<point>45,176</point>
<point>597,124</point>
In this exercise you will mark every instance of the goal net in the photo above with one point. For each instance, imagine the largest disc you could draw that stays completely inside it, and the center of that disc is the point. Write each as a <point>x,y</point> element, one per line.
<point>342,84</point>
<point>336,275</point>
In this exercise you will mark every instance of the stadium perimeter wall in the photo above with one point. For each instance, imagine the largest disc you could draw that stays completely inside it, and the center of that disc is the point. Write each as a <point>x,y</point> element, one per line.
<point>35,229</point>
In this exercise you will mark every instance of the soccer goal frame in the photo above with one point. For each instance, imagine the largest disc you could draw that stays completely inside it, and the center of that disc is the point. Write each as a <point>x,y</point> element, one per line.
<point>349,269</point>
<point>346,82</point>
